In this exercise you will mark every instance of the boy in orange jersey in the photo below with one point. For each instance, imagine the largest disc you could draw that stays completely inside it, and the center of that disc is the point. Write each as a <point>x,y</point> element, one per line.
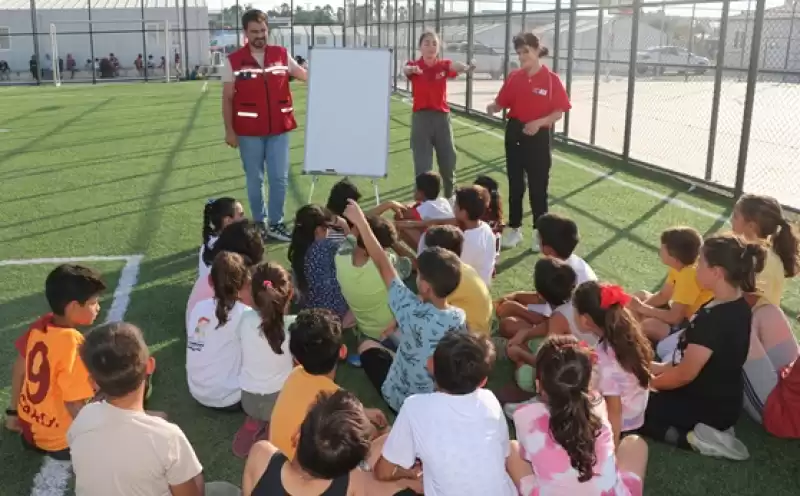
<point>50,383</point>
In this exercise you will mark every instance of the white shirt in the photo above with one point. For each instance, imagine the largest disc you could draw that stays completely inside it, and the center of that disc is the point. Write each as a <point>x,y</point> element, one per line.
<point>568,311</point>
<point>214,355</point>
<point>118,452</point>
<point>462,441</point>
<point>480,251</point>
<point>583,271</point>
<point>204,270</point>
<point>263,370</point>
<point>439,208</point>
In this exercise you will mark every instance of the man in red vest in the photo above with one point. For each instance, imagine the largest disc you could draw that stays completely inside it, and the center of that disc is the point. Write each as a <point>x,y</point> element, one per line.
<point>258,113</point>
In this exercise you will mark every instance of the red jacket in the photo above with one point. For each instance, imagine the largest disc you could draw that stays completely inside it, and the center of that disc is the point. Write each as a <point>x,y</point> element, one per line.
<point>262,104</point>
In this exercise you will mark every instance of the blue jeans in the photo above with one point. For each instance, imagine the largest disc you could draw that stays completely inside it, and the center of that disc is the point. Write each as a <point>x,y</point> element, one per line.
<point>268,154</point>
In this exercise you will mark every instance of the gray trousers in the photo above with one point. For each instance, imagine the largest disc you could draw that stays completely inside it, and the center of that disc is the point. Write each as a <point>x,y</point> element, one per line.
<point>431,131</point>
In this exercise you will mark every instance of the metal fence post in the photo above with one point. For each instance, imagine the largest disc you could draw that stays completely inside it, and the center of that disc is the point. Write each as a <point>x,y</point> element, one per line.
<point>573,19</point>
<point>626,146</point>
<point>291,27</point>
<point>506,45</point>
<point>596,83</point>
<point>720,64</point>
<point>91,41</point>
<point>36,52</point>
<point>749,96</point>
<point>557,37</point>
<point>470,41</point>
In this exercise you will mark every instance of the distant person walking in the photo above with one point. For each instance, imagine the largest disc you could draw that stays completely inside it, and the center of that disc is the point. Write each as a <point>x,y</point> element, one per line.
<point>430,123</point>
<point>536,100</point>
<point>258,114</point>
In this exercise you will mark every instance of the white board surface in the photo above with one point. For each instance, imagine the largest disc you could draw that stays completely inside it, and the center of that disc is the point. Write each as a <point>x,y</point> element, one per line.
<point>347,112</point>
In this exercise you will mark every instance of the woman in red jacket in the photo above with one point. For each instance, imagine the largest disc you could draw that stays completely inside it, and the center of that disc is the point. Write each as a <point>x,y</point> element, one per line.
<point>536,100</point>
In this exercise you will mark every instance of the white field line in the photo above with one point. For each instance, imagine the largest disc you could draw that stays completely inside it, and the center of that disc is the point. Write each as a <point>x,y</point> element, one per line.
<point>607,176</point>
<point>205,87</point>
<point>54,476</point>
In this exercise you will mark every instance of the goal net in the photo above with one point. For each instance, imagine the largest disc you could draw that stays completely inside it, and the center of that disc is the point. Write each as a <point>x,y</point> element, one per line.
<point>114,49</point>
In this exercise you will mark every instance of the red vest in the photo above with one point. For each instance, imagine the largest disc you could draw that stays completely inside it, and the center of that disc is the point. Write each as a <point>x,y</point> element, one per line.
<point>262,104</point>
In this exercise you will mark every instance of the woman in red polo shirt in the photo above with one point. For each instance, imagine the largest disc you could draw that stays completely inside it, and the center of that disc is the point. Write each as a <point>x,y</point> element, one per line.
<point>535,99</point>
<point>430,122</point>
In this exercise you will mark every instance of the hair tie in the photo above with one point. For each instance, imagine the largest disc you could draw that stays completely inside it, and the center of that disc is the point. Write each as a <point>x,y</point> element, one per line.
<point>267,284</point>
<point>611,294</point>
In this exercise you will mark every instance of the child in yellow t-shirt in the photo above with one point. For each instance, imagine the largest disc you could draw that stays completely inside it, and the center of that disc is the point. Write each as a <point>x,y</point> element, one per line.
<point>668,311</point>
<point>760,218</point>
<point>50,383</point>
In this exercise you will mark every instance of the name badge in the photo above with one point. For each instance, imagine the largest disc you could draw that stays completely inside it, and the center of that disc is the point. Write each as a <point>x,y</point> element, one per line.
<point>540,91</point>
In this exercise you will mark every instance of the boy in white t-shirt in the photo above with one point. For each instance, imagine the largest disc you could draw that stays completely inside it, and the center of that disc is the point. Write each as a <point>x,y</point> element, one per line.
<point>558,237</point>
<point>428,205</point>
<point>117,448</point>
<point>480,248</point>
<point>458,434</point>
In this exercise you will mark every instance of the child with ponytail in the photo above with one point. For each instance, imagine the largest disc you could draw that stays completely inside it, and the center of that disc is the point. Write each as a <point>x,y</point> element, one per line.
<point>623,354</point>
<point>566,444</point>
<point>217,214</point>
<point>213,348</point>
<point>760,218</point>
<point>700,389</point>
<point>266,361</point>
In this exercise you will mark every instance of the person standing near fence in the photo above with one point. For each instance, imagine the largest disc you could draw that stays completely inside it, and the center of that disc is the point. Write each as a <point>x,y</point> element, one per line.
<point>430,123</point>
<point>258,114</point>
<point>536,100</point>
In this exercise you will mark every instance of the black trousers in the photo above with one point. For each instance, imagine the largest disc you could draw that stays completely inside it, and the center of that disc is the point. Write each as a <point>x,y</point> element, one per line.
<point>527,156</point>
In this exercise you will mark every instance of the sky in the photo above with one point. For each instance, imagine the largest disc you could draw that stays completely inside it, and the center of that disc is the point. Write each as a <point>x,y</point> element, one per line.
<point>708,10</point>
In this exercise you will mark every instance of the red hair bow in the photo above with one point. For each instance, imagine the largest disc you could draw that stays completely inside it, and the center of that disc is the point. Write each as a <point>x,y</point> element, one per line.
<point>611,294</point>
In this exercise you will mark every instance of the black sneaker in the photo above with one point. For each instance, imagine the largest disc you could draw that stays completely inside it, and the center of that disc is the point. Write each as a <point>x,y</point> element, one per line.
<point>279,231</point>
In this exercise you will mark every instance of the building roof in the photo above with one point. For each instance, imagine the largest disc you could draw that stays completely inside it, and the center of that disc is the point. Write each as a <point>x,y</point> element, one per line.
<point>96,4</point>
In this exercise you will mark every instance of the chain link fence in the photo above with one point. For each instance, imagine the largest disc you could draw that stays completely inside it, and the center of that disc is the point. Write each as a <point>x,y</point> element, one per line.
<point>707,90</point>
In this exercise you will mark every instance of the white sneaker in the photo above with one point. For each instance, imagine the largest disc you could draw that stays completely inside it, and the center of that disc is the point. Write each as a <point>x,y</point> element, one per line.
<point>710,442</point>
<point>512,236</point>
<point>536,246</point>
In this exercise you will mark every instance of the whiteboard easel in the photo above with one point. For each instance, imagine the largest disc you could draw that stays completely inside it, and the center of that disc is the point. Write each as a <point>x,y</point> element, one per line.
<point>347,113</point>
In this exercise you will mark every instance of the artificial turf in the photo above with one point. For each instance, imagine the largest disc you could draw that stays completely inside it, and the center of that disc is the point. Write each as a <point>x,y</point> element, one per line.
<point>126,169</point>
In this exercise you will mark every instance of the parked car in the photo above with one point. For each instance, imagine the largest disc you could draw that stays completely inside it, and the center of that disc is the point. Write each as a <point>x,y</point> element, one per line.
<point>670,59</point>
<point>487,60</point>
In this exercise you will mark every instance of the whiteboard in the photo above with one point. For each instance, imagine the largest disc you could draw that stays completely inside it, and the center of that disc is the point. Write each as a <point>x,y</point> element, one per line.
<point>347,111</point>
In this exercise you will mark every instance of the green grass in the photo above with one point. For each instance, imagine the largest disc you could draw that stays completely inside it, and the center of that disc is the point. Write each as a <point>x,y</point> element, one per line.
<point>119,170</point>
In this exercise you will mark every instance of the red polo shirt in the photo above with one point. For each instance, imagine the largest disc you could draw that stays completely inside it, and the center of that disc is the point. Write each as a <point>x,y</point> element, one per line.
<point>429,89</point>
<point>528,98</point>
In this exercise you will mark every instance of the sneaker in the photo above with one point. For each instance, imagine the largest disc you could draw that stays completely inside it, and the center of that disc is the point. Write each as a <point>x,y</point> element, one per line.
<point>279,231</point>
<point>511,237</point>
<point>536,246</point>
<point>247,435</point>
<point>354,360</point>
<point>710,442</point>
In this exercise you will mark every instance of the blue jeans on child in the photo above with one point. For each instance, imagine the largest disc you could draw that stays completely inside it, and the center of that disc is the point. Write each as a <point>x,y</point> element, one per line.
<point>270,155</point>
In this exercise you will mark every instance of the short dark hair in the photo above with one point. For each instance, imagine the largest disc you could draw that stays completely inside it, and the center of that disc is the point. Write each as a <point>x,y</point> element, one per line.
<point>462,361</point>
<point>116,356</point>
<point>334,437</point>
<point>315,338</point>
<point>430,184</point>
<point>559,233</point>
<point>71,282</point>
<point>253,15</point>
<point>384,232</point>
<point>447,237</point>
<point>682,243</point>
<point>340,193</point>
<point>473,200</point>
<point>242,237</point>
<point>554,280</point>
<point>441,269</point>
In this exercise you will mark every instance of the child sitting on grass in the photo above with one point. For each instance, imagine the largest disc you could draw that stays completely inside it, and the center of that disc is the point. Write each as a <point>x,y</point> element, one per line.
<point>217,215</point>
<point>623,354</point>
<point>117,448</point>
<point>266,361</point>
<point>493,215</point>
<point>242,237</point>
<point>213,345</point>
<point>566,445</point>
<point>760,218</point>
<point>558,238</point>
<point>427,205</point>
<point>312,256</point>
<point>49,381</point>
<point>459,433</point>
<point>421,320</point>
<point>340,194</point>
<point>333,439</point>
<point>471,294</point>
<point>699,391</point>
<point>315,342</point>
<point>480,247</point>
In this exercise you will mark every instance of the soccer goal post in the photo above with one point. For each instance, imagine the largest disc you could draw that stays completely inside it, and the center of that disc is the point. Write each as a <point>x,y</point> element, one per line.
<point>126,43</point>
